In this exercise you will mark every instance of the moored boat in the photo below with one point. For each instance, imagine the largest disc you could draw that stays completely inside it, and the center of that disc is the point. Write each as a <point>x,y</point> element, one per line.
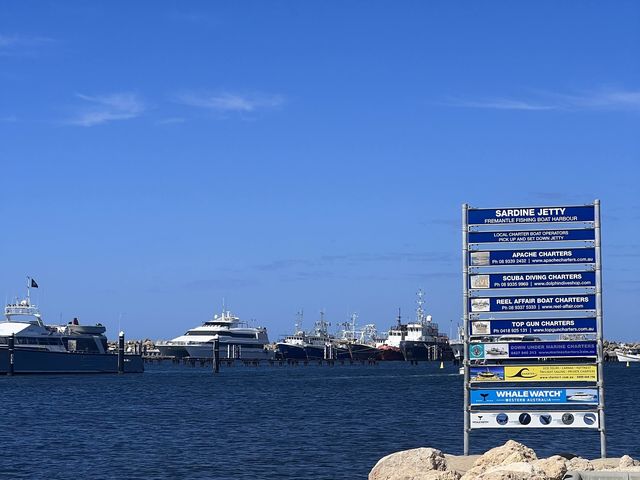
<point>236,340</point>
<point>49,348</point>
<point>423,340</point>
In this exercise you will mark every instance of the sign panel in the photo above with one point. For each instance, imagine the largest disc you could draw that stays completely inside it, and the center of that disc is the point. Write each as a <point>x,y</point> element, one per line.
<point>532,276</point>
<point>561,256</point>
<point>533,280</point>
<point>501,216</point>
<point>511,396</point>
<point>539,326</point>
<point>532,303</point>
<point>534,373</point>
<point>560,235</point>
<point>535,419</point>
<point>497,351</point>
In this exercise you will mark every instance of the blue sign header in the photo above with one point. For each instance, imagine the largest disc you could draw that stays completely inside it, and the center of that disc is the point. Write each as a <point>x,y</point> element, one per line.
<point>511,396</point>
<point>533,326</point>
<point>532,257</point>
<point>533,303</point>
<point>560,235</point>
<point>533,280</point>
<point>500,216</point>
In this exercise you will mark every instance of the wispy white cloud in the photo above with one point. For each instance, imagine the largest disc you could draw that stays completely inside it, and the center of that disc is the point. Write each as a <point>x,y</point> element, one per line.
<point>171,121</point>
<point>101,109</point>
<point>227,102</point>
<point>606,99</point>
<point>16,45</point>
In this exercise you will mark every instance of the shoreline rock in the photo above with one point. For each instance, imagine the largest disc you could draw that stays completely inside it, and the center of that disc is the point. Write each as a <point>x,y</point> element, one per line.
<point>511,461</point>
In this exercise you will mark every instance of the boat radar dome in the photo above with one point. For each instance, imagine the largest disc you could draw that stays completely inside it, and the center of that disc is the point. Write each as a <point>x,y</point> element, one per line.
<point>24,303</point>
<point>429,318</point>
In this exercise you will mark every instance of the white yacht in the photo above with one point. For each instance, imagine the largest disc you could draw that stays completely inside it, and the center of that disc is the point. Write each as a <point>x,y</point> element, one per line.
<point>236,340</point>
<point>42,348</point>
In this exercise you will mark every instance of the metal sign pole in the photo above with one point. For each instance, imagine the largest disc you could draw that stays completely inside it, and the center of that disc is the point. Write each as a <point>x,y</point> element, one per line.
<point>465,314</point>
<point>603,437</point>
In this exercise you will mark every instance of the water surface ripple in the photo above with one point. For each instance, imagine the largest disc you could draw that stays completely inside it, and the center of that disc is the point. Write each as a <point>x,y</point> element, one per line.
<point>178,422</point>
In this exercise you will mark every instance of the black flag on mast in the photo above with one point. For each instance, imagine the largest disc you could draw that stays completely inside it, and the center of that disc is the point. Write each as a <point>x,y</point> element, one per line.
<point>33,283</point>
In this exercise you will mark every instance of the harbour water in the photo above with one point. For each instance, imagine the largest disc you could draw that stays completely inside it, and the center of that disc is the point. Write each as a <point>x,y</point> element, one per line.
<point>314,422</point>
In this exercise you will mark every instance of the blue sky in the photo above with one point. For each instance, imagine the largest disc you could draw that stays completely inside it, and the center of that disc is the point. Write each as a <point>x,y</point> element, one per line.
<point>158,157</point>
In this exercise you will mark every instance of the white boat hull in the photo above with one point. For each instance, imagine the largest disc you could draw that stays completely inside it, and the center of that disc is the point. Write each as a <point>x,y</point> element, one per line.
<point>628,357</point>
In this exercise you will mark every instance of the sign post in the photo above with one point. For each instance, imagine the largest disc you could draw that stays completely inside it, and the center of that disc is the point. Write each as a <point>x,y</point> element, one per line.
<point>532,291</point>
<point>465,312</point>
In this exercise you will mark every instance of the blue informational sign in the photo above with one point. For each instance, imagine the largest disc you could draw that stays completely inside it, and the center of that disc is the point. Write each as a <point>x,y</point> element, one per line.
<point>533,280</point>
<point>533,326</point>
<point>560,235</point>
<point>532,303</point>
<point>501,216</point>
<point>532,257</point>
<point>511,396</point>
<point>502,351</point>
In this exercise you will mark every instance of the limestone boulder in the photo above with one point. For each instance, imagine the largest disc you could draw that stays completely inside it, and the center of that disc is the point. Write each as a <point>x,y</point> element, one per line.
<point>510,452</point>
<point>554,468</point>
<point>579,464</point>
<point>512,471</point>
<point>415,464</point>
<point>626,461</point>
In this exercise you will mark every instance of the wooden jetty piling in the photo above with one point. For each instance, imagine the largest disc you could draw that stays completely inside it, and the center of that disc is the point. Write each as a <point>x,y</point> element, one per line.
<point>216,355</point>
<point>12,347</point>
<point>121,353</point>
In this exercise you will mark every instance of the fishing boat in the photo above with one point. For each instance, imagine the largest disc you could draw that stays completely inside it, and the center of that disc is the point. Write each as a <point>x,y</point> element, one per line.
<point>423,341</point>
<point>390,348</point>
<point>360,345</point>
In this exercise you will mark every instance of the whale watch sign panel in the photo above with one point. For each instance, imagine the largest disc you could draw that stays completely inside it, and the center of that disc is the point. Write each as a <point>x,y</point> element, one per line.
<point>532,293</point>
<point>510,396</point>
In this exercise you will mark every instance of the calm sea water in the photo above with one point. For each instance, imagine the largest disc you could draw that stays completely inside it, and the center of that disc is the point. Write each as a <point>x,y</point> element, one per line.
<point>311,422</point>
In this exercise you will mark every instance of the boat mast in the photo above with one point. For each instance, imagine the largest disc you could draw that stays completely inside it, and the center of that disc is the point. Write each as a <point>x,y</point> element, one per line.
<point>419,309</point>
<point>299,318</point>
<point>354,317</point>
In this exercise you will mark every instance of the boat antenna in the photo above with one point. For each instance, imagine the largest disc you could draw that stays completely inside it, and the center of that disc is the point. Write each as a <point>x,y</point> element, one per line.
<point>299,318</point>
<point>419,309</point>
<point>354,317</point>
<point>399,318</point>
<point>28,290</point>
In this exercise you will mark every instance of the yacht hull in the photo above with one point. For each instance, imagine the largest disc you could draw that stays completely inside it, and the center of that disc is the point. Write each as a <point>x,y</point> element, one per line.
<point>314,352</point>
<point>390,354</point>
<point>360,352</point>
<point>287,351</point>
<point>423,351</point>
<point>628,357</point>
<point>177,351</point>
<point>42,361</point>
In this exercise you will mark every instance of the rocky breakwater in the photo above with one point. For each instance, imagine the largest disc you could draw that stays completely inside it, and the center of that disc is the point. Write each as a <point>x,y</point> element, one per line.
<point>511,461</point>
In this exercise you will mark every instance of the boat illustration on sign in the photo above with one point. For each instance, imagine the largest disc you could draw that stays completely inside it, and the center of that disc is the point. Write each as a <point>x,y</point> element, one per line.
<point>582,397</point>
<point>497,351</point>
<point>487,374</point>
